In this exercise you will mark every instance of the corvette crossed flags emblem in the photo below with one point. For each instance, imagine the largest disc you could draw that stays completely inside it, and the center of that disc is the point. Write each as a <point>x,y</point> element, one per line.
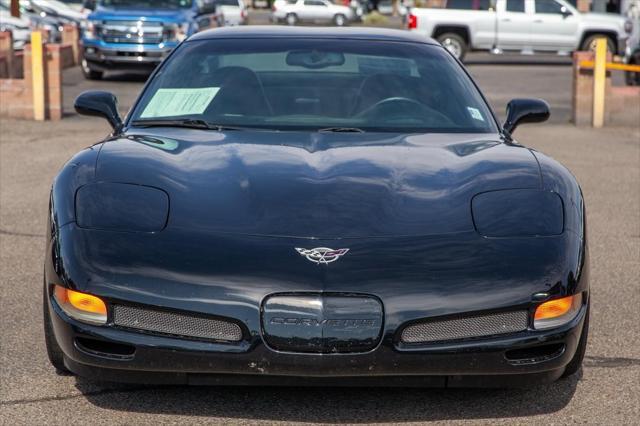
<point>322,254</point>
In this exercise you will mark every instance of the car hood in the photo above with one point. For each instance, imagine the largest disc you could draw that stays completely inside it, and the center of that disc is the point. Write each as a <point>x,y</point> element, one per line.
<point>318,185</point>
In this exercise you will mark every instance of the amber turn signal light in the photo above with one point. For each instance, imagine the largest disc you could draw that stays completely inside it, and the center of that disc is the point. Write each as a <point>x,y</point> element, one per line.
<point>556,312</point>
<point>81,306</point>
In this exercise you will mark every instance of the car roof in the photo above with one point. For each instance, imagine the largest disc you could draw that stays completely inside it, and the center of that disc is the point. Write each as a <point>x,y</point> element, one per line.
<point>276,31</point>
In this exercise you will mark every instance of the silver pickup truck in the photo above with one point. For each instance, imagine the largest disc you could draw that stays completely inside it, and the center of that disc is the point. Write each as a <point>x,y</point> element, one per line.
<point>518,25</point>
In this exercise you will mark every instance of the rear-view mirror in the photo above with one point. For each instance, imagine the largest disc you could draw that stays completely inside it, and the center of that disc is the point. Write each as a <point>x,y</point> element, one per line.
<point>314,59</point>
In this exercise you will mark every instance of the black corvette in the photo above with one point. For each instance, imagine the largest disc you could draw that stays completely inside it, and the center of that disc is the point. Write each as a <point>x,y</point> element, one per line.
<point>315,206</point>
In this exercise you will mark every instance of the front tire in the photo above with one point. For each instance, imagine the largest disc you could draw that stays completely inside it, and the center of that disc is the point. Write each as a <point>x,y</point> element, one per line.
<point>56,357</point>
<point>454,43</point>
<point>291,19</point>
<point>340,20</point>
<point>589,44</point>
<point>90,74</point>
<point>633,78</point>
<point>576,362</point>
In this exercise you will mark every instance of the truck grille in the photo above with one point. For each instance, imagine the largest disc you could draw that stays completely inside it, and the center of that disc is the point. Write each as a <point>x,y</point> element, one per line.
<point>175,324</point>
<point>133,32</point>
<point>466,327</point>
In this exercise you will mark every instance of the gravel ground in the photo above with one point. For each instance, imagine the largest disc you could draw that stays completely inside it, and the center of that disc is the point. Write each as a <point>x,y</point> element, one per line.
<point>606,162</point>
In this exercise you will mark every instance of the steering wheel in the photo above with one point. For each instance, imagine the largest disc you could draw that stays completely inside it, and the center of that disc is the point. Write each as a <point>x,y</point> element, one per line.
<point>401,107</point>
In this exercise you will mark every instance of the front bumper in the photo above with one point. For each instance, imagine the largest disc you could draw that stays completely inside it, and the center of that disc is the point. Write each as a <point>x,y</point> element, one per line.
<point>101,56</point>
<point>160,359</point>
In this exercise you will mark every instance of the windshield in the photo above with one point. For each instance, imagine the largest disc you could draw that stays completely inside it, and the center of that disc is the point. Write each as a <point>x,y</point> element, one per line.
<point>316,84</point>
<point>148,4</point>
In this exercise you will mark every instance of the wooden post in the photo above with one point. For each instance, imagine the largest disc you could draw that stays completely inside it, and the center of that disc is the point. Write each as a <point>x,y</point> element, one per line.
<point>70,36</point>
<point>599,82</point>
<point>37,75</point>
<point>6,49</point>
<point>15,8</point>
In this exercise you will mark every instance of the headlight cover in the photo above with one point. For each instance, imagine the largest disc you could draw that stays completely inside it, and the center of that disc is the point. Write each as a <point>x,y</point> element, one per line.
<point>628,26</point>
<point>557,312</point>
<point>518,213</point>
<point>90,29</point>
<point>81,306</point>
<point>121,207</point>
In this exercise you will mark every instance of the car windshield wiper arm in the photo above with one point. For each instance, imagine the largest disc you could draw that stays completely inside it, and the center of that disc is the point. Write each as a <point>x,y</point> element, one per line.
<point>342,130</point>
<point>188,123</point>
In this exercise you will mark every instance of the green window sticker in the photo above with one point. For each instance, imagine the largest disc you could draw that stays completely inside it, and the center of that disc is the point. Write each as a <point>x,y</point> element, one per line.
<point>174,102</point>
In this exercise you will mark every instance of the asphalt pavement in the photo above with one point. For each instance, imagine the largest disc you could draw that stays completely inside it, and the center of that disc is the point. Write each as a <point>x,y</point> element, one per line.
<point>607,391</point>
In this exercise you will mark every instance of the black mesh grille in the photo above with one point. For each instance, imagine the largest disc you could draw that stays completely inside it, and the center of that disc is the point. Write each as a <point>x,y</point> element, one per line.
<point>467,327</point>
<point>176,324</point>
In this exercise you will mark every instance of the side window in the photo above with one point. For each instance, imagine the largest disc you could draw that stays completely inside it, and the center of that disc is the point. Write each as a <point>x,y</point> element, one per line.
<point>471,4</point>
<point>314,3</point>
<point>515,6</point>
<point>548,6</point>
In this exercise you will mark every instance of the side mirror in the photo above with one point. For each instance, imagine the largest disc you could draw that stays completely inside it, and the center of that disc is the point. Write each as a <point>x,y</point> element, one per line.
<point>565,12</point>
<point>525,111</point>
<point>99,104</point>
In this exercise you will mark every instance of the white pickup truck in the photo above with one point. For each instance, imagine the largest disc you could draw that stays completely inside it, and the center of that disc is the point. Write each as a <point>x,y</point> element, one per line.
<point>518,25</point>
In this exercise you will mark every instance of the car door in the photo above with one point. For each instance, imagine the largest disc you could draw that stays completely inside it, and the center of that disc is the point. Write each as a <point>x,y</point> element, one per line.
<point>481,16</point>
<point>329,12</point>
<point>554,26</point>
<point>514,21</point>
<point>314,10</point>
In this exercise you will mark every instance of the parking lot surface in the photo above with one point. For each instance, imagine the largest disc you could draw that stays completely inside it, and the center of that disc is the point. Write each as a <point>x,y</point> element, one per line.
<point>606,162</point>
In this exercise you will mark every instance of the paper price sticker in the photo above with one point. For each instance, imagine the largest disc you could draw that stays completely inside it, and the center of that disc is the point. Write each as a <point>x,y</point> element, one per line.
<point>176,102</point>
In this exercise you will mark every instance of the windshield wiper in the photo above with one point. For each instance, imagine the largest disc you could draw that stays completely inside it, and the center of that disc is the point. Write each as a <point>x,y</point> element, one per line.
<point>190,123</point>
<point>187,122</point>
<point>341,130</point>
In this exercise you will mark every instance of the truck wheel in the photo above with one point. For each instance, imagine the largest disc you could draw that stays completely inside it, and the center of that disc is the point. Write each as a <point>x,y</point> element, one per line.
<point>291,19</point>
<point>90,74</point>
<point>340,20</point>
<point>633,78</point>
<point>454,43</point>
<point>53,349</point>
<point>576,362</point>
<point>589,44</point>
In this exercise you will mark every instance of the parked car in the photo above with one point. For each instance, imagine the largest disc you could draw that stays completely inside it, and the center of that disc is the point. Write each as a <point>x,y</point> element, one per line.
<point>517,25</point>
<point>231,12</point>
<point>78,5</point>
<point>293,12</point>
<point>52,24</point>
<point>315,206</point>
<point>20,28</point>
<point>55,9</point>
<point>125,35</point>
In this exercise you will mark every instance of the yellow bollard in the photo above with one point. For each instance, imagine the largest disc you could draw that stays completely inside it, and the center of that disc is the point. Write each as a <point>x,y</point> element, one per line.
<point>599,81</point>
<point>37,75</point>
